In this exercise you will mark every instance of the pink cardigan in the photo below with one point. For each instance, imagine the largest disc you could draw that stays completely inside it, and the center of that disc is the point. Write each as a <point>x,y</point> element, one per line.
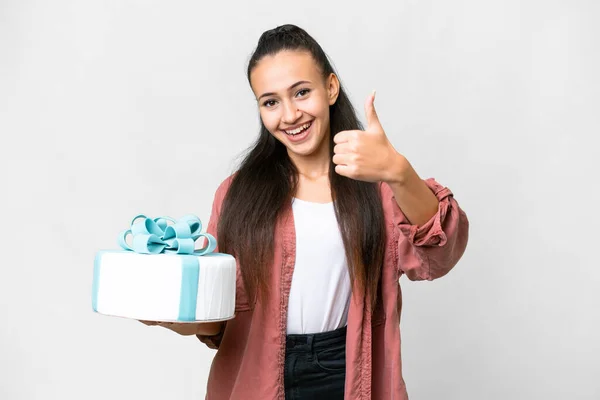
<point>251,349</point>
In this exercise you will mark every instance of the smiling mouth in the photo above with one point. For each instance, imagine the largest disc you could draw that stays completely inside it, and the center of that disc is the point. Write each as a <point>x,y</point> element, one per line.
<point>299,130</point>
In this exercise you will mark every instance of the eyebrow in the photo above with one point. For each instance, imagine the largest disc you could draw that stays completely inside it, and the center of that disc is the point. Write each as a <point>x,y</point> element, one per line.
<point>290,88</point>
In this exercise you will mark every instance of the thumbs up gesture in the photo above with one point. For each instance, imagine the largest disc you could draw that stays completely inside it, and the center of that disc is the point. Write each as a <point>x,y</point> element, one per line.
<point>368,155</point>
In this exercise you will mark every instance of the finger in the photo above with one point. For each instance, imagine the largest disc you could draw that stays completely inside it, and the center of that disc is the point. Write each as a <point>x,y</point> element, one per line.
<point>345,136</point>
<point>341,159</point>
<point>342,148</point>
<point>341,137</point>
<point>345,170</point>
<point>371,114</point>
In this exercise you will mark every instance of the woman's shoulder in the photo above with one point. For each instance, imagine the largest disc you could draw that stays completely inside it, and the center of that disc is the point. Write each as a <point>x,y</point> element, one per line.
<point>224,186</point>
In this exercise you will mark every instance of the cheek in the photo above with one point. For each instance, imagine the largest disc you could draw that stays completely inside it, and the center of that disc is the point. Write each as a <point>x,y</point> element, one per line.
<point>270,121</point>
<point>318,108</point>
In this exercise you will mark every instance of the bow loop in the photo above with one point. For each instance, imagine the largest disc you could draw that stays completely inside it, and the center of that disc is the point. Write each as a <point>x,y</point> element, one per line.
<point>154,236</point>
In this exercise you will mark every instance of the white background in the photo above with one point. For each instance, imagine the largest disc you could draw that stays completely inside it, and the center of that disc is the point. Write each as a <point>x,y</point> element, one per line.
<point>113,108</point>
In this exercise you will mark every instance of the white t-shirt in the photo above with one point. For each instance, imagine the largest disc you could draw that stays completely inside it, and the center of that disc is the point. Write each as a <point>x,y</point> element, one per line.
<point>320,292</point>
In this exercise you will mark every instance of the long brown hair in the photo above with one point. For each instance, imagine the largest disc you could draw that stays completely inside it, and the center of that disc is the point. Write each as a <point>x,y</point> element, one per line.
<point>267,179</point>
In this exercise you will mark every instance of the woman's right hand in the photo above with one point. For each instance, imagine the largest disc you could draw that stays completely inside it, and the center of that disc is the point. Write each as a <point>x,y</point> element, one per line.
<point>189,328</point>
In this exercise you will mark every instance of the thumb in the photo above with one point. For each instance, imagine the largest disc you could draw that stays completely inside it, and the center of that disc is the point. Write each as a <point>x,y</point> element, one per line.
<point>372,118</point>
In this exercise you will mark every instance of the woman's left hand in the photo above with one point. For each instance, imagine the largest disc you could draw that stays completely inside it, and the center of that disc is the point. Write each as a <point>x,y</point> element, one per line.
<point>368,155</point>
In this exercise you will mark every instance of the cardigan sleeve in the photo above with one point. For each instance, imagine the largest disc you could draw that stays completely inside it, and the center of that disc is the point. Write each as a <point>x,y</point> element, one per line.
<point>430,251</point>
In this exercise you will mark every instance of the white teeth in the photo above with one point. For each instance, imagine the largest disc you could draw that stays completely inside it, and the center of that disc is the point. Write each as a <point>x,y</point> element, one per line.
<point>298,130</point>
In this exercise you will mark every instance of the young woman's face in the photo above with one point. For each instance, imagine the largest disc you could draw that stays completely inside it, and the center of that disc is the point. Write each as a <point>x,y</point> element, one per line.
<point>294,100</point>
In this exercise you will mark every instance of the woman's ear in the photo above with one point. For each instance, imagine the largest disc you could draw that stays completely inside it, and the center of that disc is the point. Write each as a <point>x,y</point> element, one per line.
<point>333,88</point>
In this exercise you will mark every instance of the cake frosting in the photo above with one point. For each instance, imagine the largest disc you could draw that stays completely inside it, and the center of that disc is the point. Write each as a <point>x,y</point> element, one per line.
<point>161,276</point>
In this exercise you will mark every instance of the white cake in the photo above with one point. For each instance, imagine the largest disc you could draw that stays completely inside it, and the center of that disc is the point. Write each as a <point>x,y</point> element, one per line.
<point>164,287</point>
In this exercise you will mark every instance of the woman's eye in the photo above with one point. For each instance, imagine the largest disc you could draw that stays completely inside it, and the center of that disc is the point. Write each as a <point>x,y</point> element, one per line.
<point>306,91</point>
<point>271,103</point>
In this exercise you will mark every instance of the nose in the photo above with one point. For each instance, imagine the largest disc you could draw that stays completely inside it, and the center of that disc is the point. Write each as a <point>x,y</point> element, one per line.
<point>291,113</point>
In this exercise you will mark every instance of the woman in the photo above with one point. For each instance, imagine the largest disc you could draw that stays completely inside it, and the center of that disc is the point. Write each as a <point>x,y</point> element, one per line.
<point>323,217</point>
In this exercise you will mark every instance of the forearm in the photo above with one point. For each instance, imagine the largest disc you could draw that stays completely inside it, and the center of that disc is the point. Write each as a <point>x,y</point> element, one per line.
<point>415,199</point>
<point>212,336</point>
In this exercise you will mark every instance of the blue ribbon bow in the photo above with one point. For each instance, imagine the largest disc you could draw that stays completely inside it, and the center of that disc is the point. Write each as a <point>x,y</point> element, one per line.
<point>154,236</point>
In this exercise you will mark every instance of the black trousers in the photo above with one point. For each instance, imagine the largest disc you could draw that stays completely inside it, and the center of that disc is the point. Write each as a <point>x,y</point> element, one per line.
<point>315,366</point>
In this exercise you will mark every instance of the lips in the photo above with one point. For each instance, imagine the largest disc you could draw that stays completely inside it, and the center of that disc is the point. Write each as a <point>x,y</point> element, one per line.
<point>298,129</point>
<point>301,136</point>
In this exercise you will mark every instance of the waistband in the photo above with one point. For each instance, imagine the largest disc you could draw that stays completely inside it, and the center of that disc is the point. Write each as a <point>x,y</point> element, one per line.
<point>310,341</point>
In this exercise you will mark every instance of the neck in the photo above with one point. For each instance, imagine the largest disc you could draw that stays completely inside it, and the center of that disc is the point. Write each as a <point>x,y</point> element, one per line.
<point>314,165</point>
